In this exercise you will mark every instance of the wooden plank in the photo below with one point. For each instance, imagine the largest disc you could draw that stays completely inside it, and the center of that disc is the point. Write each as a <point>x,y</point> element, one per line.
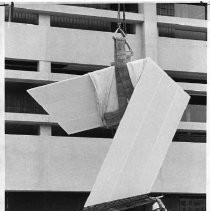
<point>142,139</point>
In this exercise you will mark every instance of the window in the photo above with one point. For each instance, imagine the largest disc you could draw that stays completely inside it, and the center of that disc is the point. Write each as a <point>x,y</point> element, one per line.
<point>165,9</point>
<point>173,31</point>
<point>93,133</point>
<point>44,201</point>
<point>22,16</point>
<point>183,10</point>
<point>187,77</point>
<point>76,69</point>
<point>196,109</point>
<point>18,100</point>
<point>24,65</point>
<point>190,137</point>
<point>21,129</point>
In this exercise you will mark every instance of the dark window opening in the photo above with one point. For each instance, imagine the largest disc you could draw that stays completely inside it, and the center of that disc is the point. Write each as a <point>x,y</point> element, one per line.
<point>17,99</point>
<point>187,77</point>
<point>190,137</point>
<point>128,7</point>
<point>190,80</point>
<point>24,65</point>
<point>74,201</point>
<point>76,69</point>
<point>198,100</point>
<point>185,10</point>
<point>88,24</point>
<point>22,16</point>
<point>165,9</point>
<point>93,133</point>
<point>21,129</point>
<point>44,201</point>
<point>196,109</point>
<point>174,32</point>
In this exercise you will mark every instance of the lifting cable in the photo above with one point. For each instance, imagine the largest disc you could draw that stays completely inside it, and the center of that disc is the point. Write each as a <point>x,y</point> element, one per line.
<point>119,20</point>
<point>119,28</point>
<point>124,22</point>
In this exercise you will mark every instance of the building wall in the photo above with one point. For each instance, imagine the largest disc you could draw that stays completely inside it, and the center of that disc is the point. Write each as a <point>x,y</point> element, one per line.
<point>72,163</point>
<point>42,162</point>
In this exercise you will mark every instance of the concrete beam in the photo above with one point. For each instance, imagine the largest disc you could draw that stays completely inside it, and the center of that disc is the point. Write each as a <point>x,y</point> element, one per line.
<point>184,22</point>
<point>28,118</point>
<point>35,77</point>
<point>36,163</point>
<point>182,55</point>
<point>57,9</point>
<point>192,126</point>
<point>150,31</point>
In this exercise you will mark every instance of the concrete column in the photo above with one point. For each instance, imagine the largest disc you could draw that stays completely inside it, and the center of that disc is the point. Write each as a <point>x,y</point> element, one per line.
<point>44,67</point>
<point>150,31</point>
<point>44,20</point>
<point>188,114</point>
<point>45,130</point>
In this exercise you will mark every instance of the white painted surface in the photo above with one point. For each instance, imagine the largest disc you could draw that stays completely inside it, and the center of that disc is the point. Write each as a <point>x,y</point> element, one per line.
<point>182,55</point>
<point>142,138</point>
<point>38,163</point>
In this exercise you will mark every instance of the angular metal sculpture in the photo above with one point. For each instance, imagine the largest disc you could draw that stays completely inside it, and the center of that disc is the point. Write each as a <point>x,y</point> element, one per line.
<point>144,133</point>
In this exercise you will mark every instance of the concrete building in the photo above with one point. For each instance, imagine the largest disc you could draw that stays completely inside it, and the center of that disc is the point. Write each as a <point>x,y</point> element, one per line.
<point>48,170</point>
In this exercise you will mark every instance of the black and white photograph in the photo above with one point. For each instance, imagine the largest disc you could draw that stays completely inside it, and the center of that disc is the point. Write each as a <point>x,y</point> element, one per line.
<point>103,106</point>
